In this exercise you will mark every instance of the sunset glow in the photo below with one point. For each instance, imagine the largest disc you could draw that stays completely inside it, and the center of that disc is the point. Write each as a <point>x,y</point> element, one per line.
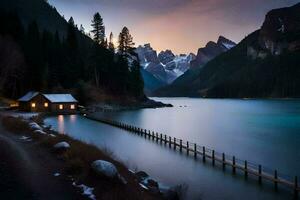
<point>182,26</point>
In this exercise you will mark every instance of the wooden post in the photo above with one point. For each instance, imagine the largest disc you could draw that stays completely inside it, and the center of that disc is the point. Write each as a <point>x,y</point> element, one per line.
<point>195,150</point>
<point>170,141</point>
<point>203,149</point>
<point>296,187</point>
<point>165,139</point>
<point>213,157</point>
<point>156,137</point>
<point>175,143</point>
<point>180,145</point>
<point>246,169</point>
<point>275,181</point>
<point>233,164</point>
<point>161,138</point>
<point>152,135</point>
<point>259,173</point>
<point>223,160</point>
<point>187,148</point>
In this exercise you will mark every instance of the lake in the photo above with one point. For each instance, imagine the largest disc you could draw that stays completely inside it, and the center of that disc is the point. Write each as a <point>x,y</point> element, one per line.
<point>262,131</point>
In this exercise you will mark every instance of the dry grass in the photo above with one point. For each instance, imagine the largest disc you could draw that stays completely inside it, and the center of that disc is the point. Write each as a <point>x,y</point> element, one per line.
<point>15,125</point>
<point>77,163</point>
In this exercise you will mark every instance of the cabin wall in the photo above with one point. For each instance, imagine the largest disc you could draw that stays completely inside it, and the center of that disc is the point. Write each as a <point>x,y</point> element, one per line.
<point>39,101</point>
<point>24,106</point>
<point>55,107</point>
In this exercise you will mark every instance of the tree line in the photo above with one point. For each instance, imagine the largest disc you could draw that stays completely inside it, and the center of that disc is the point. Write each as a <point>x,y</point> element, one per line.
<point>35,59</point>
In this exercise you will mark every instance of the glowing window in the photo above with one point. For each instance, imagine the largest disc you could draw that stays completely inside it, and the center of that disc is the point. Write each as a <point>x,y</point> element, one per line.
<point>72,106</point>
<point>46,105</point>
<point>33,105</point>
<point>61,107</point>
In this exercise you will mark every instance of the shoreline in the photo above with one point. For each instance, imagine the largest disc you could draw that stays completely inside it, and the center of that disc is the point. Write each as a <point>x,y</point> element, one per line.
<point>135,183</point>
<point>115,107</point>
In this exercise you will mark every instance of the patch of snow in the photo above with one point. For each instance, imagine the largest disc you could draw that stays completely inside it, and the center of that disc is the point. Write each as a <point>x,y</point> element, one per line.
<point>62,145</point>
<point>282,27</point>
<point>25,138</point>
<point>87,191</point>
<point>143,186</point>
<point>60,98</point>
<point>34,126</point>
<point>145,65</point>
<point>131,171</point>
<point>40,132</point>
<point>228,46</point>
<point>24,115</point>
<point>178,72</point>
<point>105,168</point>
<point>28,96</point>
<point>52,135</point>
<point>56,174</point>
<point>122,179</point>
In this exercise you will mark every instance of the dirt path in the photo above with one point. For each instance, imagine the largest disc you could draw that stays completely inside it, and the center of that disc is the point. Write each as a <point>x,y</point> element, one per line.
<point>27,172</point>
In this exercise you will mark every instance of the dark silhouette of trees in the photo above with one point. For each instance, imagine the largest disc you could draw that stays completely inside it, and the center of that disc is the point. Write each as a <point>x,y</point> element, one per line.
<point>98,29</point>
<point>125,41</point>
<point>111,45</point>
<point>32,58</point>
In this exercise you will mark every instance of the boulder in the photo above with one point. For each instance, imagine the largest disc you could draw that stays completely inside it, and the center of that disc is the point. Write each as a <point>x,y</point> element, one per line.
<point>105,168</point>
<point>34,126</point>
<point>152,183</point>
<point>62,145</point>
<point>141,175</point>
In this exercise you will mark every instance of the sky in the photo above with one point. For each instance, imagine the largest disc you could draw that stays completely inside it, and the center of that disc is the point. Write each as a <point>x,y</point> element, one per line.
<point>180,25</point>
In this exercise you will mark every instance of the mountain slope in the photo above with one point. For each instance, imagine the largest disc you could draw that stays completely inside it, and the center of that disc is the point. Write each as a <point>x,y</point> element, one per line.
<point>265,64</point>
<point>211,50</point>
<point>151,83</point>
<point>46,16</point>
<point>41,51</point>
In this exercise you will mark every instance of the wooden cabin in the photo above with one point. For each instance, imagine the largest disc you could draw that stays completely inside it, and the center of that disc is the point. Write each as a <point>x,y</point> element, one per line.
<point>39,102</point>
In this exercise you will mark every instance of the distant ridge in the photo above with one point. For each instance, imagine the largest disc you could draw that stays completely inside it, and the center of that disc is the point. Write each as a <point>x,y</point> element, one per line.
<point>265,64</point>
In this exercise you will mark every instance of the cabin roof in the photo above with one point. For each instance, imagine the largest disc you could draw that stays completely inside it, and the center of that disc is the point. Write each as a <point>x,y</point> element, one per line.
<point>60,98</point>
<point>28,96</point>
<point>53,98</point>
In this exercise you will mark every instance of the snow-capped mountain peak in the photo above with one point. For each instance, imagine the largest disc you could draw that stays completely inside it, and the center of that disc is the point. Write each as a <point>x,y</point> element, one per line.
<point>165,66</point>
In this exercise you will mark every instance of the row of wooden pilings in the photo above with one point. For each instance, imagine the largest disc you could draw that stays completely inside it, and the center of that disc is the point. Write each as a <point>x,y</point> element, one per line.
<point>192,149</point>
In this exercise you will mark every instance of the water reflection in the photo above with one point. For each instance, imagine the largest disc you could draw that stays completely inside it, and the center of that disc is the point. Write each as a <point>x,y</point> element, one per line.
<point>61,126</point>
<point>263,131</point>
<point>72,119</point>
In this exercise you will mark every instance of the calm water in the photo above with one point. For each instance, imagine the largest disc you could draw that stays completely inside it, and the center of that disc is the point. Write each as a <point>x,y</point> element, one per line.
<point>263,131</point>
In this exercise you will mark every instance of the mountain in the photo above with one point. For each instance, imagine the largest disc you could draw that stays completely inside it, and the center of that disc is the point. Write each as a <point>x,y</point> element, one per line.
<point>36,10</point>
<point>164,67</point>
<point>265,64</point>
<point>211,50</point>
<point>42,51</point>
<point>151,83</point>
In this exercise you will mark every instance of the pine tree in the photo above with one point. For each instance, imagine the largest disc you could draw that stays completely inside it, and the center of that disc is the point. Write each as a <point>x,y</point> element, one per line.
<point>98,29</point>
<point>105,44</point>
<point>125,41</point>
<point>82,30</point>
<point>111,45</point>
<point>71,36</point>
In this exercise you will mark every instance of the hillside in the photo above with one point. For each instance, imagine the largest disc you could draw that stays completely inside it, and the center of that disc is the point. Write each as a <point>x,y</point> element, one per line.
<point>151,83</point>
<point>42,51</point>
<point>263,65</point>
